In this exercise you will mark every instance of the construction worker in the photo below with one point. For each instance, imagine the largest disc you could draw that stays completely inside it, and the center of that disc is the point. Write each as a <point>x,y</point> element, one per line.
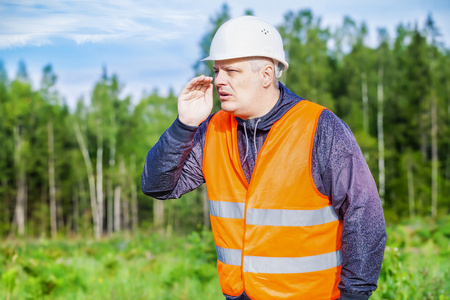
<point>294,209</point>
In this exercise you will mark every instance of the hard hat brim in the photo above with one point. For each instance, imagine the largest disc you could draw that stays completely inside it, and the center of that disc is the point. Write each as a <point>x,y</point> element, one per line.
<point>284,64</point>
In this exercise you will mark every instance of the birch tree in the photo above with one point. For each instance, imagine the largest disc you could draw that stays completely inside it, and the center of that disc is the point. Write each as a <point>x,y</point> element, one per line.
<point>432,32</point>
<point>6,176</point>
<point>383,52</point>
<point>49,96</point>
<point>19,108</point>
<point>91,179</point>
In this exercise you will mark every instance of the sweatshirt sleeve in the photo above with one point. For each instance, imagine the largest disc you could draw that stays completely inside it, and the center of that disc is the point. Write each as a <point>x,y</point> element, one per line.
<point>341,172</point>
<point>173,166</point>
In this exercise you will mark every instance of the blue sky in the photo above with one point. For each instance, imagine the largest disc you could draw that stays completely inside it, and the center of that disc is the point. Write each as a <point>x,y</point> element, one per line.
<point>154,44</point>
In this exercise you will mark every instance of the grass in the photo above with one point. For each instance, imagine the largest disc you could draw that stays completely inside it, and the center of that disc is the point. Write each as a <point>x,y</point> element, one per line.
<point>416,266</point>
<point>416,263</point>
<point>116,268</point>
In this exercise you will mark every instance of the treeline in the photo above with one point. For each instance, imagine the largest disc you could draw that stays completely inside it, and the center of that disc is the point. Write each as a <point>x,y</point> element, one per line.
<point>77,171</point>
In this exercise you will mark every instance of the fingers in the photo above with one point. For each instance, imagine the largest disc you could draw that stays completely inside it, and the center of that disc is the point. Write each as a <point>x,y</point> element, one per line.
<point>202,79</point>
<point>200,83</point>
<point>195,101</point>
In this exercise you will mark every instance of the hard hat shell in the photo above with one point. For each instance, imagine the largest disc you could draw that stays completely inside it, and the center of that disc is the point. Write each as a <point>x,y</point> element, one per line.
<point>247,36</point>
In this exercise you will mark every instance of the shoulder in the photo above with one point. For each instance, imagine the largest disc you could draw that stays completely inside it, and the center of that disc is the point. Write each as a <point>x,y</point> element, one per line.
<point>330,126</point>
<point>333,141</point>
<point>203,128</point>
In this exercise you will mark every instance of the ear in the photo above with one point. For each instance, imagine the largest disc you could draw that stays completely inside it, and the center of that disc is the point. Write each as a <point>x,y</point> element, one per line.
<point>268,74</point>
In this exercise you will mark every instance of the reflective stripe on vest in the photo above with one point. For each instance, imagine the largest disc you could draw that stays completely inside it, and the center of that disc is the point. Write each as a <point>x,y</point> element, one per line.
<point>274,217</point>
<point>229,256</point>
<point>280,265</point>
<point>286,265</point>
<point>289,217</point>
<point>222,209</point>
<point>276,237</point>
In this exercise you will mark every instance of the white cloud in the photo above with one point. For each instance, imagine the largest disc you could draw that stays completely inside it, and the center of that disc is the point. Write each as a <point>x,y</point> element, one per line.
<point>130,37</point>
<point>11,41</point>
<point>30,23</point>
<point>93,38</point>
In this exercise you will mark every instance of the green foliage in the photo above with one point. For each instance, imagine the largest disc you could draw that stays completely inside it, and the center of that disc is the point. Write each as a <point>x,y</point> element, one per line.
<point>416,261</point>
<point>416,266</point>
<point>395,83</point>
<point>335,68</point>
<point>150,267</point>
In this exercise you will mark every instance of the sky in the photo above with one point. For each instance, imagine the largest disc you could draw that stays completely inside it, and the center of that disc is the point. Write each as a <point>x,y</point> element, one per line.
<point>153,44</point>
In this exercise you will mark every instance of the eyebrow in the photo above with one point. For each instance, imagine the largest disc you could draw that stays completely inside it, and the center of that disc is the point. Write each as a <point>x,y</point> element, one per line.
<point>225,67</point>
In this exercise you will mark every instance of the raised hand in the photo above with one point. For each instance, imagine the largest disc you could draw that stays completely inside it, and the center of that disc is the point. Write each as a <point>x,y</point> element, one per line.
<point>195,102</point>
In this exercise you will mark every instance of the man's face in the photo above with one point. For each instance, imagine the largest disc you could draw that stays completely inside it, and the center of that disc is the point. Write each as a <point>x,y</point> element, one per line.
<point>237,86</point>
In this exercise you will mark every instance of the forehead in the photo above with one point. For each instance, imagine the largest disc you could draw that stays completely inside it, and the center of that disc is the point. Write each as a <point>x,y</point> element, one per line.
<point>235,62</point>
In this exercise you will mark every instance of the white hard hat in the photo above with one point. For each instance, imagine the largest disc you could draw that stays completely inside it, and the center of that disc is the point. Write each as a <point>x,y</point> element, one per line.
<point>248,36</point>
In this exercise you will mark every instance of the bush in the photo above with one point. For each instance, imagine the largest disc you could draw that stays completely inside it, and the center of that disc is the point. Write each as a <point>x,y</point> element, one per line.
<point>416,263</point>
<point>416,266</point>
<point>149,267</point>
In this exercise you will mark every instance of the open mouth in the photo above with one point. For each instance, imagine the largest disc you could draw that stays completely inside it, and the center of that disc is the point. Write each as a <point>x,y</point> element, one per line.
<point>224,96</point>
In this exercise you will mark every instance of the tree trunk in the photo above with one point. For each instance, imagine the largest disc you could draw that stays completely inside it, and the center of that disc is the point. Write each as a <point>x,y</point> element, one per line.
<point>134,201</point>
<point>117,213</point>
<point>19,212</point>
<point>158,215</point>
<point>380,131</point>
<point>91,180</point>
<point>109,205</point>
<point>434,156</point>
<point>125,214</point>
<point>42,223</point>
<point>365,102</point>
<point>423,133</point>
<point>5,207</point>
<point>170,220</point>
<point>117,197</point>
<point>51,179</point>
<point>110,188</point>
<point>99,170</point>
<point>85,221</point>
<point>76,211</point>
<point>134,208</point>
<point>410,179</point>
<point>59,214</point>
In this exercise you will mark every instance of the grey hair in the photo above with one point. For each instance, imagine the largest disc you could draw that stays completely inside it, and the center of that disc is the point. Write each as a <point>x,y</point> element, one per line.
<point>258,62</point>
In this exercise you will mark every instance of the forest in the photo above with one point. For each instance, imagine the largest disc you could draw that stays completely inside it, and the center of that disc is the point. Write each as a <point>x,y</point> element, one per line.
<point>70,175</point>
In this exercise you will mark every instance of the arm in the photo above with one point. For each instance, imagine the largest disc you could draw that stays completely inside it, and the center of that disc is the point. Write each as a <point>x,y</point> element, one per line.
<point>173,166</point>
<point>341,172</point>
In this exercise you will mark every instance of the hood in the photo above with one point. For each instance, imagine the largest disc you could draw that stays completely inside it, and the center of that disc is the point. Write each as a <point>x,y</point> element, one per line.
<point>286,101</point>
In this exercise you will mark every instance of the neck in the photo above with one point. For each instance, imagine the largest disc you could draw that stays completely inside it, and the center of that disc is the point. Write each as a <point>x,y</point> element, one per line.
<point>265,102</point>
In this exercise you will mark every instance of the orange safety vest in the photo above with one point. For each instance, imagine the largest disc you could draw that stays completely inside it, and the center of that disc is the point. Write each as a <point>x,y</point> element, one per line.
<point>276,237</point>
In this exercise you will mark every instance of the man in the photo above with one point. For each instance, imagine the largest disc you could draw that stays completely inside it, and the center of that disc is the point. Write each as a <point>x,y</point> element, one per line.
<point>294,209</point>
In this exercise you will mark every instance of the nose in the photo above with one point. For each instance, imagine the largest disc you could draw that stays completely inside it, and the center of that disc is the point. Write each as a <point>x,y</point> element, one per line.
<point>219,78</point>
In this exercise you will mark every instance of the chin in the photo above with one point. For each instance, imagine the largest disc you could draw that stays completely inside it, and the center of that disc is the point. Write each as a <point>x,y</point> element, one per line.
<point>226,107</point>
